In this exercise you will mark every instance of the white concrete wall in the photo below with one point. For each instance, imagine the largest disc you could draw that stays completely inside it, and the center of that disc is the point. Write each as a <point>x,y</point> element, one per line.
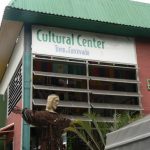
<point>13,63</point>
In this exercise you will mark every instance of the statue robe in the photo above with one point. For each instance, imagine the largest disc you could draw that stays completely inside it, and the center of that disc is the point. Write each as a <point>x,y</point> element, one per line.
<point>52,124</point>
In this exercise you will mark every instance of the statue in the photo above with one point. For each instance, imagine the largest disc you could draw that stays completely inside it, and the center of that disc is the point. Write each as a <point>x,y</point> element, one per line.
<point>52,123</point>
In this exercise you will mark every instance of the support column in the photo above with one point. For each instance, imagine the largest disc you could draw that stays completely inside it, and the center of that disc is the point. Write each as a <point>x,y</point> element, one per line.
<point>26,84</point>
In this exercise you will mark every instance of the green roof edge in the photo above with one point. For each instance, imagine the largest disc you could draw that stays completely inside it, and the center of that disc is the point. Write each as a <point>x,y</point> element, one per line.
<point>73,23</point>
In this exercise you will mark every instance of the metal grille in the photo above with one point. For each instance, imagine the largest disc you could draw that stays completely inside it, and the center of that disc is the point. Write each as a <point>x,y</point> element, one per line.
<point>15,89</point>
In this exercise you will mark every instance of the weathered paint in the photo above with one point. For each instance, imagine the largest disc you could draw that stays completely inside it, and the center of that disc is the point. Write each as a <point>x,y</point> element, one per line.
<point>143,58</point>
<point>16,119</point>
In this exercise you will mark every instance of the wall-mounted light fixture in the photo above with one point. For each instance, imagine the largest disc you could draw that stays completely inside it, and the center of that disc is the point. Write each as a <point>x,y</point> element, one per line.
<point>148,84</point>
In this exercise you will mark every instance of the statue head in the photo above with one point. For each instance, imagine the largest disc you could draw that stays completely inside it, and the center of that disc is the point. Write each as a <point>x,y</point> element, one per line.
<point>52,102</point>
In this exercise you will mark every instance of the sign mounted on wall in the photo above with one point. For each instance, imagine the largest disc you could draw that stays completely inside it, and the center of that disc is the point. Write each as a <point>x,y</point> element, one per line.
<point>82,45</point>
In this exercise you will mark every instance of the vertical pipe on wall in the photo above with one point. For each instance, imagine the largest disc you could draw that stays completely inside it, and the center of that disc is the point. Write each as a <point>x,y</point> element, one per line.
<point>26,84</point>
<point>88,84</point>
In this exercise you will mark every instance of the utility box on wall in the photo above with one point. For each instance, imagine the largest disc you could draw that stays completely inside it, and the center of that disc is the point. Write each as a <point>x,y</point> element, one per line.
<point>148,84</point>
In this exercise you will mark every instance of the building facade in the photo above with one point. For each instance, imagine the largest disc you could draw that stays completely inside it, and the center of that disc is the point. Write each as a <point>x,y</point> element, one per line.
<point>95,63</point>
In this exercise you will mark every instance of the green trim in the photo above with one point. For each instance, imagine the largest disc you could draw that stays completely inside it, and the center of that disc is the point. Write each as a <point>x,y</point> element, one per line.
<point>121,12</point>
<point>1,144</point>
<point>3,110</point>
<point>74,23</point>
<point>27,79</point>
<point>26,136</point>
<point>26,84</point>
<point>26,99</point>
<point>3,113</point>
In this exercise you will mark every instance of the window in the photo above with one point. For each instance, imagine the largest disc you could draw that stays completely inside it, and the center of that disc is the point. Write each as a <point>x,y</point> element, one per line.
<point>85,86</point>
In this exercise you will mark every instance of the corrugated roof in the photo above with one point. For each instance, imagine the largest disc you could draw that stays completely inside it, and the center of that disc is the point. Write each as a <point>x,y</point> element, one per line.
<point>124,12</point>
<point>117,17</point>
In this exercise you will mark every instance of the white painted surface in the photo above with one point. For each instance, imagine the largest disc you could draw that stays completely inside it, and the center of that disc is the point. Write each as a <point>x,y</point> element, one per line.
<point>115,48</point>
<point>2,8</point>
<point>14,61</point>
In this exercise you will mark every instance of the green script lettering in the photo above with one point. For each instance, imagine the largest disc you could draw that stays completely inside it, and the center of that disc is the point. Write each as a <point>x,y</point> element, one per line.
<point>78,40</point>
<point>38,35</point>
<point>82,41</point>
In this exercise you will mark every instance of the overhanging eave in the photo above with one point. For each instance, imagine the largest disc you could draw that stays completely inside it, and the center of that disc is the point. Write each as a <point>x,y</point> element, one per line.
<point>74,23</point>
<point>9,32</point>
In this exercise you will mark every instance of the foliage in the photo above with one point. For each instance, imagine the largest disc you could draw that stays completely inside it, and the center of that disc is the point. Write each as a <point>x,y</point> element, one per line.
<point>121,120</point>
<point>69,143</point>
<point>93,132</point>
